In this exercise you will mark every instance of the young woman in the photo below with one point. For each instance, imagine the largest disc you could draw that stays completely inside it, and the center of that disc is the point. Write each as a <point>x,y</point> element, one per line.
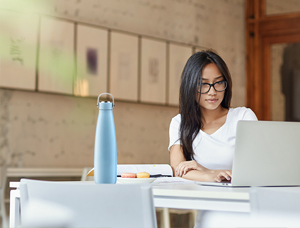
<point>202,136</point>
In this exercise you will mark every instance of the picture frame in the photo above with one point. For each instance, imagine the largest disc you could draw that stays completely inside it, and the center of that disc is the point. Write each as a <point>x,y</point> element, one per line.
<point>153,71</point>
<point>91,61</point>
<point>124,66</point>
<point>18,50</point>
<point>56,66</point>
<point>178,56</point>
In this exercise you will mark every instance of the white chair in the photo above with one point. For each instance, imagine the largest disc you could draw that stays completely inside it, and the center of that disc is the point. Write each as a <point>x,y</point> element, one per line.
<point>278,206</point>
<point>269,207</point>
<point>86,204</point>
<point>2,195</point>
<point>273,200</point>
<point>164,212</point>
<point>207,219</point>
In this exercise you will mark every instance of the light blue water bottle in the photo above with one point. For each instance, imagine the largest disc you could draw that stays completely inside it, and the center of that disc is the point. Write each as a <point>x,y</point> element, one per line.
<point>105,151</point>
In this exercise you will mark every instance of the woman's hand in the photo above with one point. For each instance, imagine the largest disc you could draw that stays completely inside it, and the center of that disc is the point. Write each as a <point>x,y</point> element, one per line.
<point>186,166</point>
<point>223,175</point>
<point>194,170</point>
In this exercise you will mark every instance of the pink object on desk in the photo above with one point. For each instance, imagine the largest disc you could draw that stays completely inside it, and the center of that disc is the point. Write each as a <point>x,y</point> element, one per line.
<point>128,175</point>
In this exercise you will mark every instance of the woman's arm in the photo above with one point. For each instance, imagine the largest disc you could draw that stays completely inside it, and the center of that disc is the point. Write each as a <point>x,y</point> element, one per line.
<point>192,170</point>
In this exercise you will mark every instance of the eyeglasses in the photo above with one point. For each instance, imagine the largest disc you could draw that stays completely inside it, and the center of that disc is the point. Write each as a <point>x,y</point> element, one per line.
<point>218,86</point>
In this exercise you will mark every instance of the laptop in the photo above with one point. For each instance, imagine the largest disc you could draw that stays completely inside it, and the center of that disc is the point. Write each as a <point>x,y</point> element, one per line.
<point>267,153</point>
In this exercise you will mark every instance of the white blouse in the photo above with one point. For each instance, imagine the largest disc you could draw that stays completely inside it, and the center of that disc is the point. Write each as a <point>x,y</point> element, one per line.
<point>214,151</point>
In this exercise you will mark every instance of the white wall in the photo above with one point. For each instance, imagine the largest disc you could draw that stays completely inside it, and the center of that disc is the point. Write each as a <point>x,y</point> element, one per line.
<point>39,129</point>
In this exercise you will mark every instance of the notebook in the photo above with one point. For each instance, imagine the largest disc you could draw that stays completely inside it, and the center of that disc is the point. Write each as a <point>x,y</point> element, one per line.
<point>267,153</point>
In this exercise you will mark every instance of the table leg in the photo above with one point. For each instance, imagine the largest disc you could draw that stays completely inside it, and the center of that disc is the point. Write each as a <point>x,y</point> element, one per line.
<point>166,217</point>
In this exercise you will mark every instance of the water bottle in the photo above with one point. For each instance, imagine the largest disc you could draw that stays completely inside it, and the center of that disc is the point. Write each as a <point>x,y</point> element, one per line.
<point>105,151</point>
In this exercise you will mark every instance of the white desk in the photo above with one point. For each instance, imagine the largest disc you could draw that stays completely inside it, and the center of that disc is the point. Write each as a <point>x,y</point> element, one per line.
<point>192,196</point>
<point>172,195</point>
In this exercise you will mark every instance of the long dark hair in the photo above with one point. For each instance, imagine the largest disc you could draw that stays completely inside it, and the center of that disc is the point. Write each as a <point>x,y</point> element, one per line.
<point>189,108</point>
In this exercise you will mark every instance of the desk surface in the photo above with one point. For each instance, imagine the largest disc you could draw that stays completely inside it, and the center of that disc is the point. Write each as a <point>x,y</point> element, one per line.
<point>174,193</point>
<point>182,194</point>
<point>187,189</point>
<point>171,189</point>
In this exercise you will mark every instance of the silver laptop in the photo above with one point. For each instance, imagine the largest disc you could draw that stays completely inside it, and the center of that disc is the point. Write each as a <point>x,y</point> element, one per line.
<point>267,153</point>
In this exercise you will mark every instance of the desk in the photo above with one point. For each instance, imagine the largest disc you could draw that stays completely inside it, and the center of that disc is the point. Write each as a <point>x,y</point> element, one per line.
<point>193,196</point>
<point>185,195</point>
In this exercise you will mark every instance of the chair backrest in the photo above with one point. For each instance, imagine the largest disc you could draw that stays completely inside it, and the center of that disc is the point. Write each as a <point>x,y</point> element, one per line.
<point>273,200</point>
<point>93,205</point>
<point>277,206</point>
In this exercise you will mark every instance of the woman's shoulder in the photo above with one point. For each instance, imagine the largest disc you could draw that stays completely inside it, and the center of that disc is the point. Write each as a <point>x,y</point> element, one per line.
<point>175,123</point>
<point>239,110</point>
<point>242,113</point>
<point>176,119</point>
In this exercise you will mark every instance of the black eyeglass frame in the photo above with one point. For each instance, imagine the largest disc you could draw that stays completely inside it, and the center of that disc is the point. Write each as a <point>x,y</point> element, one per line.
<point>213,85</point>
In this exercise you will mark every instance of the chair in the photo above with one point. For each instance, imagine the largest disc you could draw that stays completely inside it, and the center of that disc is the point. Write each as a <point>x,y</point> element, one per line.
<point>275,206</point>
<point>207,219</point>
<point>2,195</point>
<point>273,200</point>
<point>269,207</point>
<point>86,204</point>
<point>164,212</point>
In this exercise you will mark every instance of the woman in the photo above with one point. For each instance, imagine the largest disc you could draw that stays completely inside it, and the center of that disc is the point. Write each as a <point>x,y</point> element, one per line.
<point>202,136</point>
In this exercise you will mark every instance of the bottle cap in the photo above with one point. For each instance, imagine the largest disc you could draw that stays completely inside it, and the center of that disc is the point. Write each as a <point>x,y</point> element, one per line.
<point>105,104</point>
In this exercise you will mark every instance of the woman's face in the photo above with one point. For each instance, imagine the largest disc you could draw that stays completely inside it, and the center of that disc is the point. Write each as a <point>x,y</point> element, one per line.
<point>213,99</point>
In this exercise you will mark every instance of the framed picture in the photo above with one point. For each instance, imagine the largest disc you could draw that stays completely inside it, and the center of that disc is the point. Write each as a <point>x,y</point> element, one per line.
<point>178,56</point>
<point>91,65</point>
<point>18,50</point>
<point>56,56</point>
<point>124,66</point>
<point>153,71</point>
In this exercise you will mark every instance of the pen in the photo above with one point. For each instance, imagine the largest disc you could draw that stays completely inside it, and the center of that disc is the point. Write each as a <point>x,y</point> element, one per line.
<point>160,175</point>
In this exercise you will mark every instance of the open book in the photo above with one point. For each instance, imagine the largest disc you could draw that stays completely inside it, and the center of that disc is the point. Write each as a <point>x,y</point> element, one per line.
<point>155,170</point>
